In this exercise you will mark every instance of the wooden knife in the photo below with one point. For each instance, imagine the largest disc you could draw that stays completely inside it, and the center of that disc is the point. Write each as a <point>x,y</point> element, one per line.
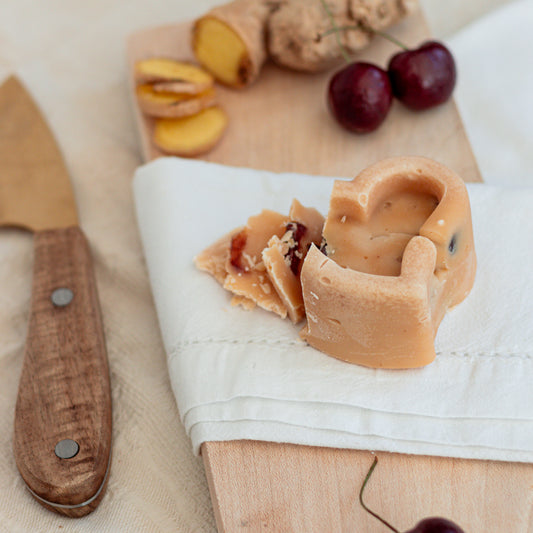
<point>62,433</point>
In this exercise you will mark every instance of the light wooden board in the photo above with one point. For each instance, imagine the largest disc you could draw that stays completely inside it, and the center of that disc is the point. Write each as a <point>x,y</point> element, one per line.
<point>282,124</point>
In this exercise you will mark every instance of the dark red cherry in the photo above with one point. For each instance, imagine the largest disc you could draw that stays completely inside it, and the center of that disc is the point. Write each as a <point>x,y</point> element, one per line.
<point>424,77</point>
<point>360,96</point>
<point>435,525</point>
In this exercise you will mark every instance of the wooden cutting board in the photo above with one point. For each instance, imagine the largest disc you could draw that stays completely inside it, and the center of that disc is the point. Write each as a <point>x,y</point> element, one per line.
<point>282,124</point>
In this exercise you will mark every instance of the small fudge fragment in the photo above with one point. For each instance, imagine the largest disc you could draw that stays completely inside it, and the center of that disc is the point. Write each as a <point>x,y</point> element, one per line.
<point>214,258</point>
<point>246,273</point>
<point>192,135</point>
<point>166,74</point>
<point>235,261</point>
<point>260,262</point>
<point>173,105</point>
<point>284,256</point>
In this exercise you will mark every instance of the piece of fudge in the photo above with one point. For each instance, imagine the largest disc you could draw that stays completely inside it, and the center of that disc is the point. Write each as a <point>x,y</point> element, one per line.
<point>398,253</point>
<point>260,262</point>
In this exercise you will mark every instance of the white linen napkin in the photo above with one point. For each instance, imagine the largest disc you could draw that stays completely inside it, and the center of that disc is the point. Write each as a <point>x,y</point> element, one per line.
<point>243,374</point>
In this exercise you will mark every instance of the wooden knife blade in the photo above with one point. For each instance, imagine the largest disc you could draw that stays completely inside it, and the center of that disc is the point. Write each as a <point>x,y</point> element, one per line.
<point>63,419</point>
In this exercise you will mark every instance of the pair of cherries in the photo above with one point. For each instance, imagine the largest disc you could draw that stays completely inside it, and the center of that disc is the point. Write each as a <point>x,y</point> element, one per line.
<point>361,94</point>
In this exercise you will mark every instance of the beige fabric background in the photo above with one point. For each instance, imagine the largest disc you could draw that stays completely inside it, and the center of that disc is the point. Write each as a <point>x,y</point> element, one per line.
<point>71,56</point>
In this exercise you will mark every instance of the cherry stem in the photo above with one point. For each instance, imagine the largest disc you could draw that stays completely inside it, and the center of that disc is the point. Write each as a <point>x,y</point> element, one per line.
<point>336,30</point>
<point>375,515</point>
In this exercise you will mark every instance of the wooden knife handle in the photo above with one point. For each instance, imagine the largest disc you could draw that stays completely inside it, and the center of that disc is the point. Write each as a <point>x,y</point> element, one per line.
<point>64,392</point>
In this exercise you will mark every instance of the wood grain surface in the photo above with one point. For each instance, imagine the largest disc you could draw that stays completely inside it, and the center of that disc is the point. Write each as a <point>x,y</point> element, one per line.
<point>64,390</point>
<point>282,124</point>
<point>269,487</point>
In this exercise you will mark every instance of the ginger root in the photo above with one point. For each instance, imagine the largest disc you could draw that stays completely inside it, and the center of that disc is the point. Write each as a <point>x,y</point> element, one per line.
<point>192,135</point>
<point>233,41</point>
<point>297,28</point>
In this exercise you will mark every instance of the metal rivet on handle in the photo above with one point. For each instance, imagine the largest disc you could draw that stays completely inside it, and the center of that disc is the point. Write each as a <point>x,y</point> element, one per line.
<point>67,448</point>
<point>62,297</point>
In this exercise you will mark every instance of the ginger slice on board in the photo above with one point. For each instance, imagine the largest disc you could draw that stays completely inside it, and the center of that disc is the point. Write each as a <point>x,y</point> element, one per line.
<point>190,136</point>
<point>169,75</point>
<point>173,105</point>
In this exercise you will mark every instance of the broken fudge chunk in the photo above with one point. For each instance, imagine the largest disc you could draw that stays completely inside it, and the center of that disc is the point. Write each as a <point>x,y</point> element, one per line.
<point>284,256</point>
<point>260,263</point>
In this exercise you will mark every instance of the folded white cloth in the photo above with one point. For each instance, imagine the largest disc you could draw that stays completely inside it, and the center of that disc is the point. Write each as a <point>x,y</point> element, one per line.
<point>243,374</point>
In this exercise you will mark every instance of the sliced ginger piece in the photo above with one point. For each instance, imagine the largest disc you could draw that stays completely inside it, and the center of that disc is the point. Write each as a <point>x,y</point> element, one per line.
<point>221,51</point>
<point>229,41</point>
<point>173,105</point>
<point>190,136</point>
<point>169,75</point>
<point>179,87</point>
